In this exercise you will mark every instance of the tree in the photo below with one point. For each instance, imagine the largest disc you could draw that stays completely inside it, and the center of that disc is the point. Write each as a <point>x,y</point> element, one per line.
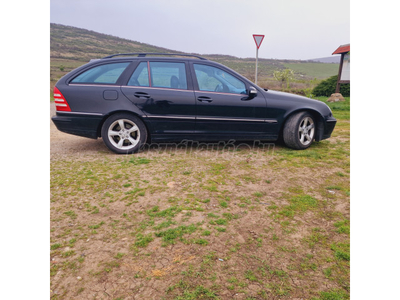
<point>283,76</point>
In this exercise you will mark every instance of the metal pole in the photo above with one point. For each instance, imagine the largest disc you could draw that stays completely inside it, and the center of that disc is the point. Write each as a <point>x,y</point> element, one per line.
<point>256,64</point>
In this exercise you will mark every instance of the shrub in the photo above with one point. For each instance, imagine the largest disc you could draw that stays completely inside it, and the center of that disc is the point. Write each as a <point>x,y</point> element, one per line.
<point>327,87</point>
<point>285,75</point>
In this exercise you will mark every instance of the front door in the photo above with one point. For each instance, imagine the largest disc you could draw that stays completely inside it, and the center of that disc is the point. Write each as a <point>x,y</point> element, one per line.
<point>223,106</point>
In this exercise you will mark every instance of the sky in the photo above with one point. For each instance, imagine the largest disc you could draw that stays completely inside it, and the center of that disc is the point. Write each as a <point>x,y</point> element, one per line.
<point>293,29</point>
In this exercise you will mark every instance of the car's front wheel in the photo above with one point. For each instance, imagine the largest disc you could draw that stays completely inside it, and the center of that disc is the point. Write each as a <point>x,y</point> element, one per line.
<point>124,133</point>
<point>299,131</point>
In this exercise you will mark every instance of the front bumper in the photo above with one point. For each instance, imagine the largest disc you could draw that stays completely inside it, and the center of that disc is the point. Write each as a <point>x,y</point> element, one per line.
<point>330,124</point>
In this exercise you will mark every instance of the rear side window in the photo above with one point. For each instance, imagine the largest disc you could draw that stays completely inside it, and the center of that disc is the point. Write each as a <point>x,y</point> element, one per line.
<point>168,75</point>
<point>107,74</point>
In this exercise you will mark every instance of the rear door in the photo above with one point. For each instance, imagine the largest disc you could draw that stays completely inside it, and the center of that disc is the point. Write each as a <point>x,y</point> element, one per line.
<point>163,90</point>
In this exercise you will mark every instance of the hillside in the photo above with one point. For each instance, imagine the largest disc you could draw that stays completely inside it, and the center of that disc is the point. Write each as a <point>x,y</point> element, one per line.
<point>67,42</point>
<point>327,60</point>
<point>71,47</point>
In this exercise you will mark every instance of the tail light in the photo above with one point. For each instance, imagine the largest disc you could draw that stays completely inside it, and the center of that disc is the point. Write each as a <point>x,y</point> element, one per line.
<point>61,103</point>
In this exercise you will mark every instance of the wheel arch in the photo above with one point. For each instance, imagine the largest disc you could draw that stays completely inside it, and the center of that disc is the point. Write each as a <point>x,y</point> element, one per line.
<point>319,120</point>
<point>125,112</point>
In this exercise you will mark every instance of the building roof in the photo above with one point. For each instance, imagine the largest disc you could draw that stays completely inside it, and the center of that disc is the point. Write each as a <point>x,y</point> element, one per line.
<point>342,49</point>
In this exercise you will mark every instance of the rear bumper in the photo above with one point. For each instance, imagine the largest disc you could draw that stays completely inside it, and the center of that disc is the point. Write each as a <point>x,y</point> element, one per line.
<point>86,125</point>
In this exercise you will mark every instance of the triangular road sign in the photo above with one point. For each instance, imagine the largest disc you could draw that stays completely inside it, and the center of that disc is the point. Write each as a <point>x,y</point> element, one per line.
<point>258,38</point>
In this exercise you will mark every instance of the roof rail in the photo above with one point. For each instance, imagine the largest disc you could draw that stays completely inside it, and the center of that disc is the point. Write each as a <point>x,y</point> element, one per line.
<point>149,53</point>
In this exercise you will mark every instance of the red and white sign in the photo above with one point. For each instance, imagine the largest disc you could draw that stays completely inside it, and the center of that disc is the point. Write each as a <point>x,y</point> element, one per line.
<point>258,38</point>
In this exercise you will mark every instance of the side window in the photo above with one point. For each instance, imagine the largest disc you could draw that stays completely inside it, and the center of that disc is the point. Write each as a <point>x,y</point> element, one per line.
<point>108,74</point>
<point>168,75</point>
<point>213,79</point>
<point>141,75</point>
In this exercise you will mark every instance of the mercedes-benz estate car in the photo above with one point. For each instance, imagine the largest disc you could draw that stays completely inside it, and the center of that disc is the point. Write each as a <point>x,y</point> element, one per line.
<point>136,98</point>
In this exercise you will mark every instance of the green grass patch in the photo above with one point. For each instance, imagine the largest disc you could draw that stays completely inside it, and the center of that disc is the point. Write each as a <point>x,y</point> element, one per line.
<point>55,246</point>
<point>223,204</point>
<point>206,233</point>
<point>135,160</point>
<point>169,236</point>
<point>71,214</point>
<point>221,221</point>
<point>202,242</point>
<point>169,212</point>
<point>341,251</point>
<point>299,204</point>
<point>332,295</point>
<point>343,226</point>
<point>165,224</point>
<point>143,240</point>
<point>316,237</point>
<point>96,226</point>
<point>187,291</point>
<point>68,253</point>
<point>313,70</point>
<point>212,215</point>
<point>303,203</point>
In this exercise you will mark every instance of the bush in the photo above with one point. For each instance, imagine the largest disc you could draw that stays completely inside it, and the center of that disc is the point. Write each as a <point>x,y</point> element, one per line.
<point>285,75</point>
<point>327,87</point>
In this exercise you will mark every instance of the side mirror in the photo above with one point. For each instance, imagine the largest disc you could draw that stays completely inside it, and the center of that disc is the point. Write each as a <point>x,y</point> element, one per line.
<point>252,92</point>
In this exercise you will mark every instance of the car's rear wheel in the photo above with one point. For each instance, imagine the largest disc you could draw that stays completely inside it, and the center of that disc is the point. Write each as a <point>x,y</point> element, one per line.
<point>299,131</point>
<point>124,133</point>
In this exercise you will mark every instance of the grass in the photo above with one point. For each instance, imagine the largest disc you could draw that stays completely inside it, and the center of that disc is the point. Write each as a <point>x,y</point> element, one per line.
<point>261,224</point>
<point>169,236</point>
<point>332,295</point>
<point>314,70</point>
<point>188,292</point>
<point>143,240</point>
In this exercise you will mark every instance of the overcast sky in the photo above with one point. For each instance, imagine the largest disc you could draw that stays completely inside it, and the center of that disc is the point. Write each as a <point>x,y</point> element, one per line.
<point>293,29</point>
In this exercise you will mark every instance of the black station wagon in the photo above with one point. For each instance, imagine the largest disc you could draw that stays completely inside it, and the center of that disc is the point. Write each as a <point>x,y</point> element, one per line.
<point>131,99</point>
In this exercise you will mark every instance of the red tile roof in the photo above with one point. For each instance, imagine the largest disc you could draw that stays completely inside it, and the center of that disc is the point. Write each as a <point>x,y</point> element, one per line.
<point>342,49</point>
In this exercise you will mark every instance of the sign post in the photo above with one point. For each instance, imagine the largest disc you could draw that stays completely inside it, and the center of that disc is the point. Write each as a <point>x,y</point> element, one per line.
<point>258,38</point>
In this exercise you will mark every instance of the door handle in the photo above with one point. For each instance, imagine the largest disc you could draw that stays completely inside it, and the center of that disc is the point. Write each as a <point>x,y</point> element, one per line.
<point>204,99</point>
<point>141,95</point>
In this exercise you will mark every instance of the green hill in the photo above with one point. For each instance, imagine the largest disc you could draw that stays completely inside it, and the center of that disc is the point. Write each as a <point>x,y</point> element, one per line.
<point>71,47</point>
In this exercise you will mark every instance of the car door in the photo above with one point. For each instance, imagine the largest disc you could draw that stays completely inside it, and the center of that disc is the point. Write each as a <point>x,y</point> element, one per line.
<point>162,90</point>
<point>224,108</point>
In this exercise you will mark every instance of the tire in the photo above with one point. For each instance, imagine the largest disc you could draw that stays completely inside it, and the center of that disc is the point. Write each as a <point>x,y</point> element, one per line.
<point>299,131</point>
<point>124,133</point>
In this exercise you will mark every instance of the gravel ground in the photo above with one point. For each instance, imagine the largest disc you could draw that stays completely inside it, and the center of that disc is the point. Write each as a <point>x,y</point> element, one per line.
<point>64,145</point>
